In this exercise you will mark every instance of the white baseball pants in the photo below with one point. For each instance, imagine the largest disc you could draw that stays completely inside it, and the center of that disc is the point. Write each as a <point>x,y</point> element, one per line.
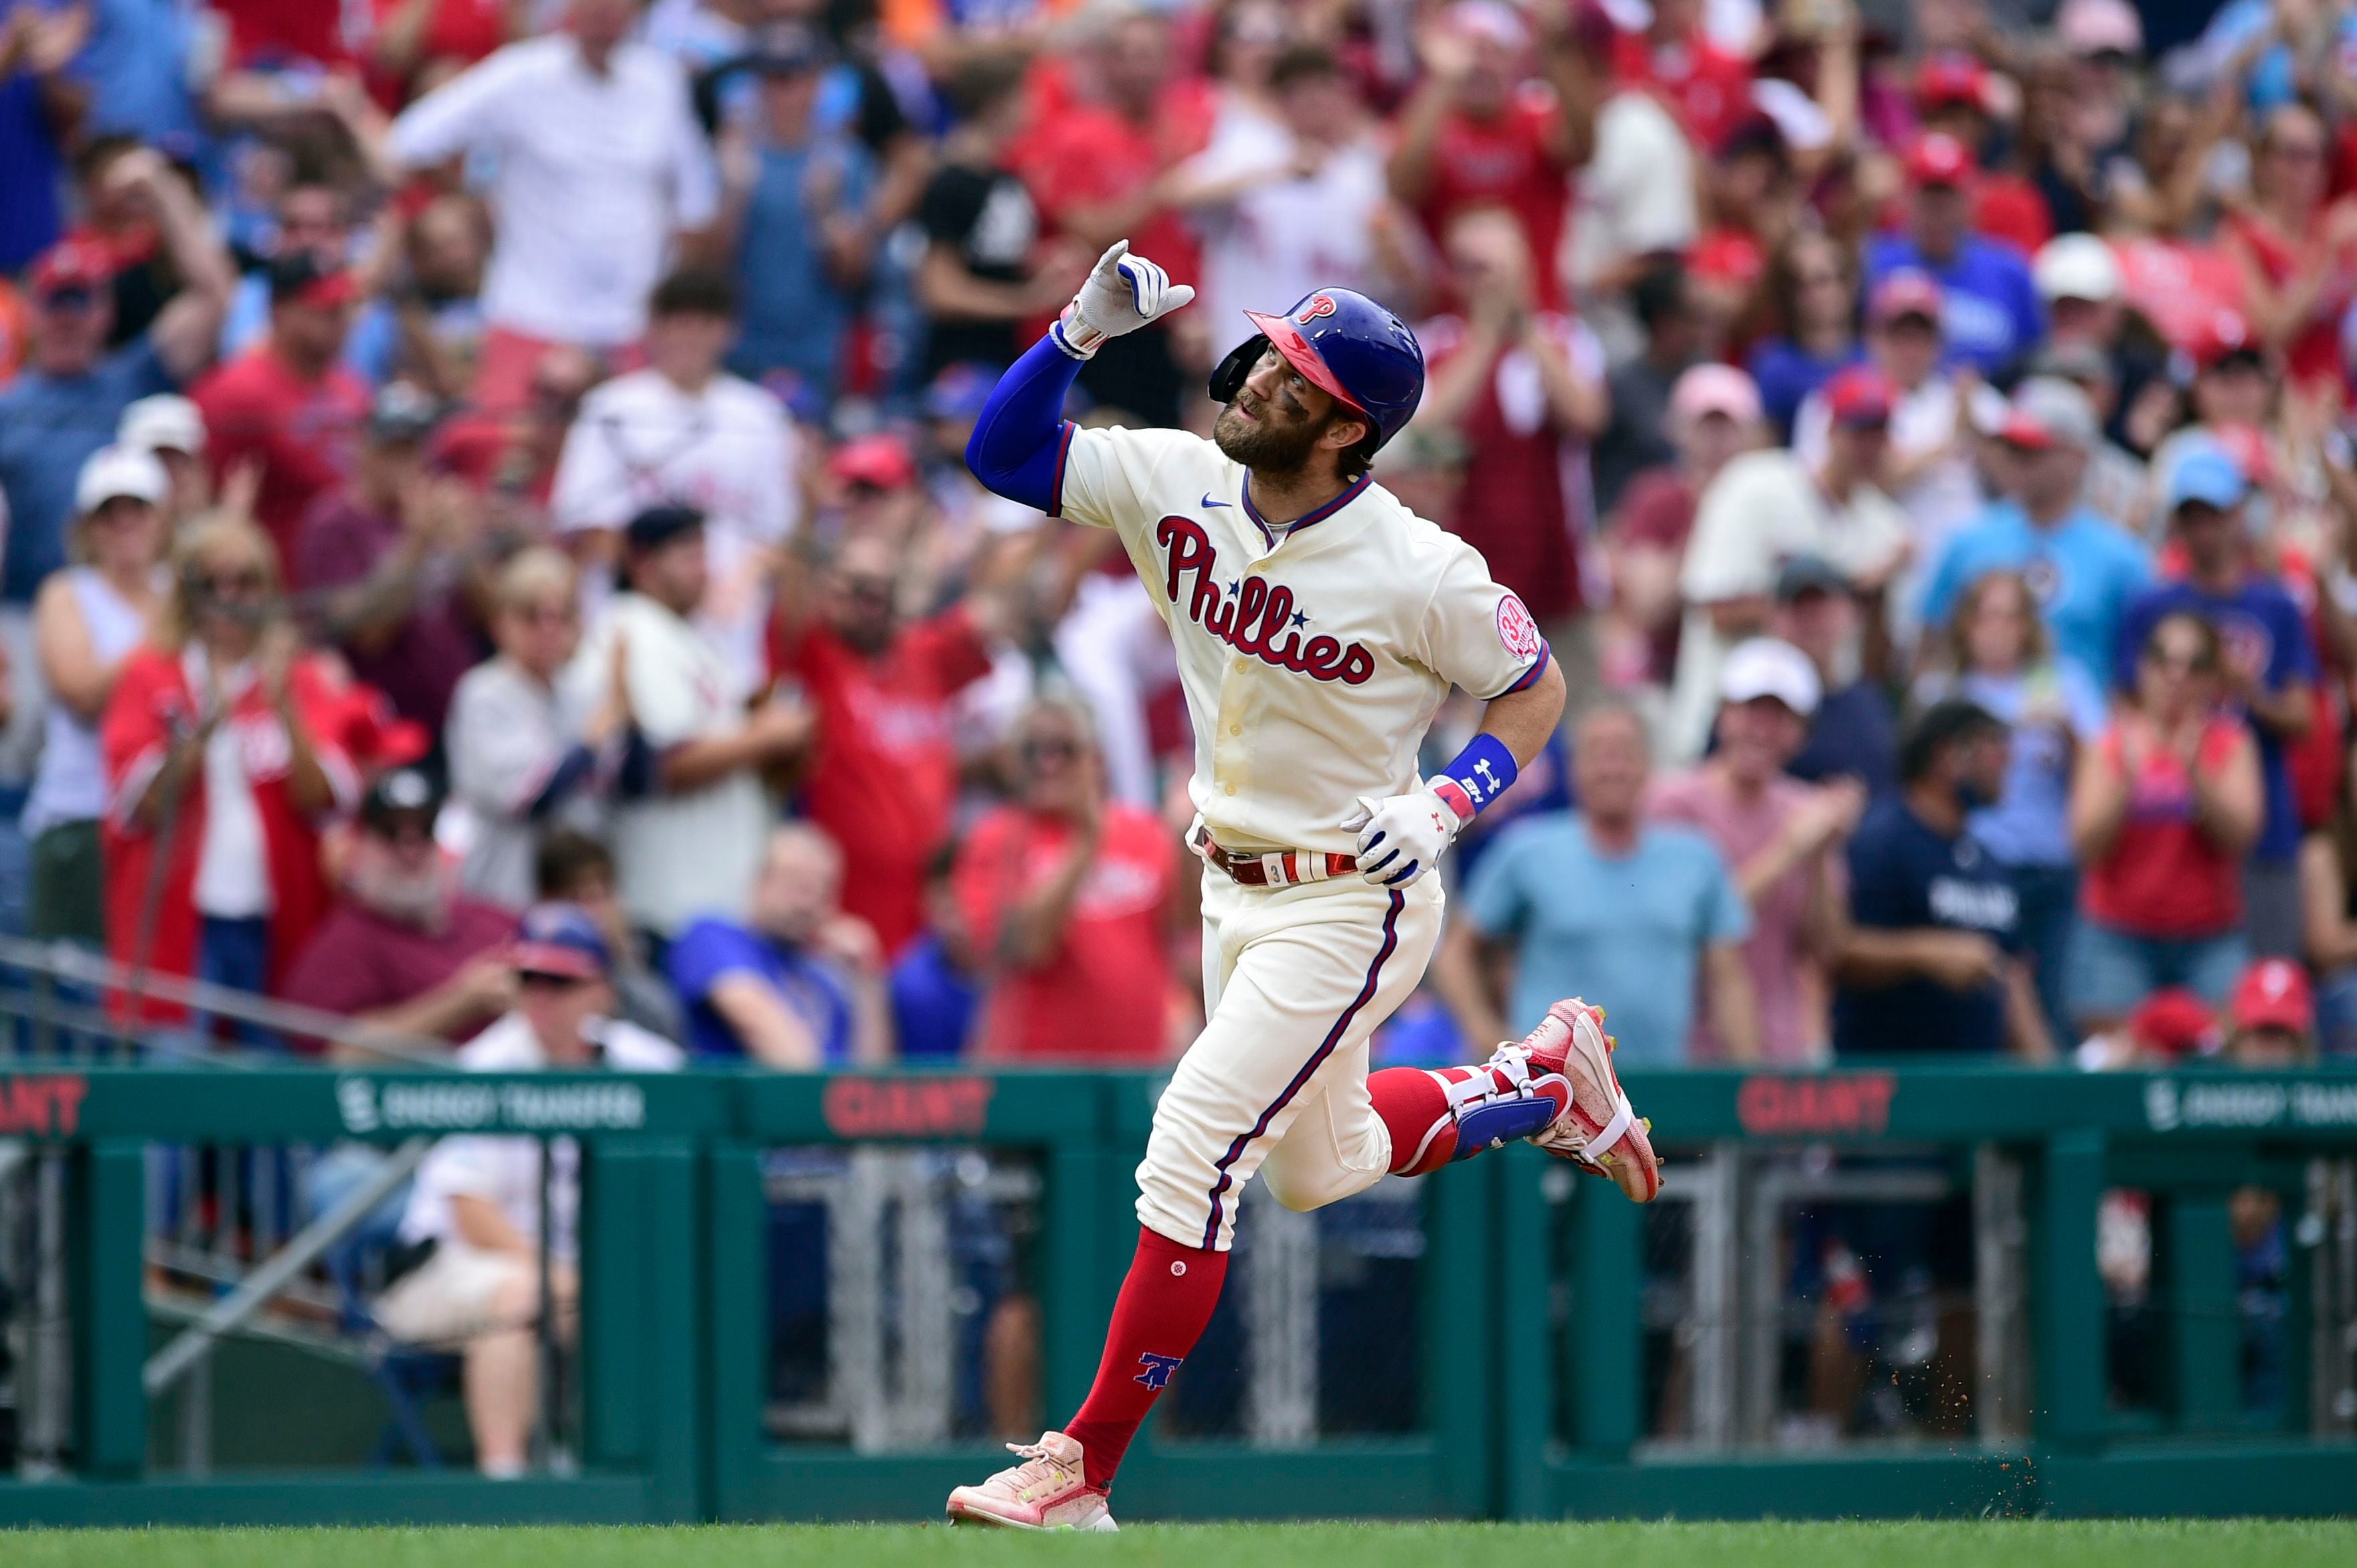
<point>1295,981</point>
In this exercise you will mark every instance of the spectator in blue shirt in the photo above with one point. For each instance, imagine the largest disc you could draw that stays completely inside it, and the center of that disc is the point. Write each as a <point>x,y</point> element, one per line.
<point>1852,735</point>
<point>1998,655</point>
<point>802,193</point>
<point>1929,962</point>
<point>40,112</point>
<point>936,984</point>
<point>2083,567</point>
<point>1989,309</point>
<point>2270,670</point>
<point>1638,918</point>
<point>71,394</point>
<point>798,985</point>
<point>136,66</point>
<point>1812,289</point>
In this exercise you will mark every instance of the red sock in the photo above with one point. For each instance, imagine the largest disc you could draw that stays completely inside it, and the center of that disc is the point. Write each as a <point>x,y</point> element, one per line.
<point>1160,1312</point>
<point>1415,1107</point>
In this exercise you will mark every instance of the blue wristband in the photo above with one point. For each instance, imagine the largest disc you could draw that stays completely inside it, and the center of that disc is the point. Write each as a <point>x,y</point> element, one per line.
<point>1480,773</point>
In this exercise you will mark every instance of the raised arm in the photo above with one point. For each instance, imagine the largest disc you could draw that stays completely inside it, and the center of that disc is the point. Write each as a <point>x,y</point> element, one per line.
<point>1017,447</point>
<point>186,330</point>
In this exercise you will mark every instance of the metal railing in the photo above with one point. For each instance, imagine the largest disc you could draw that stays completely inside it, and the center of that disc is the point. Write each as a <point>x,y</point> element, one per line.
<point>57,998</point>
<point>1512,1413</point>
<point>223,1255</point>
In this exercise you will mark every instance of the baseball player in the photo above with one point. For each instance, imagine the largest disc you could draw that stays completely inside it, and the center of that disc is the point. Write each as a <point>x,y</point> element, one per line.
<point>1319,623</point>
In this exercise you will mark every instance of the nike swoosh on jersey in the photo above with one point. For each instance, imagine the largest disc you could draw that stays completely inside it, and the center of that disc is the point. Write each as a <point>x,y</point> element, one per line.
<point>1207,501</point>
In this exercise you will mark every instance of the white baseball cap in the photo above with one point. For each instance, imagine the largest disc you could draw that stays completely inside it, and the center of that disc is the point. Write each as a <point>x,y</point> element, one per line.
<point>2100,27</point>
<point>2076,266</point>
<point>164,422</point>
<point>1770,667</point>
<point>115,471</point>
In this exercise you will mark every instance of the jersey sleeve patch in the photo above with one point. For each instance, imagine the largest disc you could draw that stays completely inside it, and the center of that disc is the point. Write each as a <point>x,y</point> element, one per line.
<point>1517,631</point>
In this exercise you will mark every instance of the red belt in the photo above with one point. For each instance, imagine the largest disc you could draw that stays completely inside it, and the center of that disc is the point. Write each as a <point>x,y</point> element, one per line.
<point>1278,868</point>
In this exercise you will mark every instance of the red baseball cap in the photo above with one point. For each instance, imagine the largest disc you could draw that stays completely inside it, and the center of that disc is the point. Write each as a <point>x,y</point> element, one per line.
<point>305,278</point>
<point>2222,335</point>
<point>1939,160</point>
<point>881,461</point>
<point>2175,1023</point>
<point>1905,293</point>
<point>1859,397</point>
<point>2274,993</point>
<point>1946,79</point>
<point>71,263</point>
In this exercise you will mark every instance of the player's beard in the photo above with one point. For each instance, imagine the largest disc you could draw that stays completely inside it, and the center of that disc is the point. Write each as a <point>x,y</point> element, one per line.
<point>1264,447</point>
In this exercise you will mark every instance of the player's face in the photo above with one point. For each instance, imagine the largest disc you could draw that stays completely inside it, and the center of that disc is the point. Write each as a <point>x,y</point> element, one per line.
<point>1276,420</point>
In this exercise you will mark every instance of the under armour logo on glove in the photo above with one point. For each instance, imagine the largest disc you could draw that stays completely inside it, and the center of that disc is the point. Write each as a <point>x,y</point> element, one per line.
<point>1123,294</point>
<point>1401,836</point>
<point>1158,1368</point>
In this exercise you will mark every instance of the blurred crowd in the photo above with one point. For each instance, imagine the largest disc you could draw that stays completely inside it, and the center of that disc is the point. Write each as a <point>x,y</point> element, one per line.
<point>460,456</point>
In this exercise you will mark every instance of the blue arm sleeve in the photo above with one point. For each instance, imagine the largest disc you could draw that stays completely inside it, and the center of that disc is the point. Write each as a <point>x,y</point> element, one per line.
<point>1018,445</point>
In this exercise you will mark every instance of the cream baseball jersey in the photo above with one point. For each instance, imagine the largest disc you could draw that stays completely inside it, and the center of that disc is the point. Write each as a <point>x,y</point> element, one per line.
<point>1312,658</point>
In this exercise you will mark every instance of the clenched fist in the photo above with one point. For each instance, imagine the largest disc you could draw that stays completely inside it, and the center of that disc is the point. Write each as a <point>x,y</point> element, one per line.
<point>1401,836</point>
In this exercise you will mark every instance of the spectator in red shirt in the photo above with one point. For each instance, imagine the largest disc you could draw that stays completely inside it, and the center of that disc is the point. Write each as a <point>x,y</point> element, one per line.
<point>1072,895</point>
<point>218,752</point>
<point>1524,386</point>
<point>1955,97</point>
<point>389,558</point>
<point>2295,246</point>
<point>2163,808</point>
<point>418,44</point>
<point>1477,133</point>
<point>1094,166</point>
<point>1709,91</point>
<point>511,456</point>
<point>277,35</point>
<point>405,951</point>
<point>885,778</point>
<point>1751,195</point>
<point>287,405</point>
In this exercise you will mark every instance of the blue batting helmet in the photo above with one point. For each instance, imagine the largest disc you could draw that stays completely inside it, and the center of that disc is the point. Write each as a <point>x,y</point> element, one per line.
<point>1344,343</point>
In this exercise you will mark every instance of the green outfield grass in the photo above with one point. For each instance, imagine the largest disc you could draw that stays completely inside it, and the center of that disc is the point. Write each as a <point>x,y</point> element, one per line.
<point>1998,1544</point>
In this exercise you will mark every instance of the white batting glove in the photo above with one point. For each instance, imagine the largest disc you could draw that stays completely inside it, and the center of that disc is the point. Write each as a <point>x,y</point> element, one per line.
<point>1401,837</point>
<point>1123,294</point>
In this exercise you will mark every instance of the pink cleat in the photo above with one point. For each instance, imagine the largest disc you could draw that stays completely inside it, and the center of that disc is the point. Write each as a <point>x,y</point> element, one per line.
<point>1598,1129</point>
<point>1047,1491</point>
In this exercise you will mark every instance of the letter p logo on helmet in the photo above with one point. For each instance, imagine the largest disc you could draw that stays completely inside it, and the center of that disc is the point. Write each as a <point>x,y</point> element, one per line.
<point>1319,305</point>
